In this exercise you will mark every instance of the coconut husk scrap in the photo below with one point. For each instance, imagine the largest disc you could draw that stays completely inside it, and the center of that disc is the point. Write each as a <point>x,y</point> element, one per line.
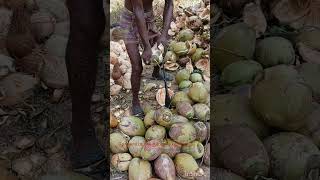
<point>20,40</point>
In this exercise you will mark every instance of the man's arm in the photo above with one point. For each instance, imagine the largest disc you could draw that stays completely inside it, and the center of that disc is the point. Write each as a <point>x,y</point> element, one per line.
<point>138,10</point>
<point>167,17</point>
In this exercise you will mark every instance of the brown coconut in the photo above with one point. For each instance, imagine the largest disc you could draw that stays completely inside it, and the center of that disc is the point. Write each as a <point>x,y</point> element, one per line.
<point>20,40</point>
<point>164,167</point>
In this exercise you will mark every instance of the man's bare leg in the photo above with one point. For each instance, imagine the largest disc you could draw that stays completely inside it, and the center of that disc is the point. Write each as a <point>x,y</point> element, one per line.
<point>87,22</point>
<point>136,63</point>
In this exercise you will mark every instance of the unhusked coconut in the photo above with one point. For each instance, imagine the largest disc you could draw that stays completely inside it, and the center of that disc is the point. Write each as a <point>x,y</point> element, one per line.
<point>43,25</point>
<point>235,42</point>
<point>292,156</point>
<point>57,8</point>
<point>309,73</point>
<point>15,88</point>
<point>312,126</point>
<point>240,72</point>
<point>233,7</point>
<point>273,51</point>
<point>281,103</point>
<point>254,17</point>
<point>32,63</point>
<point>56,46</point>
<point>6,65</point>
<point>62,29</point>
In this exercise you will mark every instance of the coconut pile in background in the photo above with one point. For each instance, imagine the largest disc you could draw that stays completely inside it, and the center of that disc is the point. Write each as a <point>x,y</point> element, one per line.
<point>33,40</point>
<point>266,107</point>
<point>169,143</point>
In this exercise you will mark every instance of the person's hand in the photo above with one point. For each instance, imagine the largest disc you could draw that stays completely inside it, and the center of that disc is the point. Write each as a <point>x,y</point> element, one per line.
<point>146,55</point>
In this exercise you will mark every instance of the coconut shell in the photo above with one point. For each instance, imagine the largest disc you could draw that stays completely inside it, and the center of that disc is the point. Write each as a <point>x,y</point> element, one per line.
<point>235,42</point>
<point>132,126</point>
<point>139,169</point>
<point>286,104</point>
<point>228,109</point>
<point>183,61</point>
<point>43,25</point>
<point>290,154</point>
<point>118,143</point>
<point>240,150</point>
<point>183,133</point>
<point>32,63</point>
<point>164,167</point>
<point>135,145</point>
<point>151,150</point>
<point>20,40</point>
<point>273,51</point>
<point>155,132</point>
<point>16,88</point>
<point>187,167</point>
<point>54,72</point>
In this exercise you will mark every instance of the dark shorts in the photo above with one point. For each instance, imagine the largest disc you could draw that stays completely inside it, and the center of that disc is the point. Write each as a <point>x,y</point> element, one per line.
<point>130,28</point>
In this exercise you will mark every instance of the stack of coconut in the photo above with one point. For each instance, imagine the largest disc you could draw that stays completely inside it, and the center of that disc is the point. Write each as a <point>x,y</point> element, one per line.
<point>267,126</point>
<point>172,143</point>
<point>120,67</point>
<point>33,40</point>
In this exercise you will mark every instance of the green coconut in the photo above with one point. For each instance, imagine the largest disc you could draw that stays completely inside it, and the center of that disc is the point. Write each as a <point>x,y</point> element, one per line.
<point>292,156</point>
<point>132,126</point>
<point>185,84</point>
<point>151,150</point>
<point>273,51</point>
<point>202,131</point>
<point>155,132</point>
<point>139,169</point>
<point>310,73</point>
<point>185,35</point>
<point>164,167</point>
<point>135,145</point>
<point>180,96</point>
<point>149,119</point>
<point>118,143</point>
<point>182,75</point>
<point>183,133</point>
<point>171,148</point>
<point>196,77</point>
<point>201,112</point>
<point>234,43</point>
<point>185,109</point>
<point>195,149</point>
<point>240,150</point>
<point>170,56</point>
<point>197,55</point>
<point>180,48</point>
<point>163,117</point>
<point>281,71</point>
<point>281,103</point>
<point>187,167</point>
<point>236,109</point>
<point>240,72</point>
<point>198,93</point>
<point>178,118</point>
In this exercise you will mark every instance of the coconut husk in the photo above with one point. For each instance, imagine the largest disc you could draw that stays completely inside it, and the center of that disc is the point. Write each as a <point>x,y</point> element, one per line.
<point>54,72</point>
<point>160,96</point>
<point>43,25</point>
<point>32,63</point>
<point>15,88</point>
<point>20,40</point>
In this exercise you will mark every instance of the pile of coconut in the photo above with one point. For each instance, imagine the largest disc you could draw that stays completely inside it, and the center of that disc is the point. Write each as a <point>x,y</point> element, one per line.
<point>169,143</point>
<point>33,39</point>
<point>267,124</point>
